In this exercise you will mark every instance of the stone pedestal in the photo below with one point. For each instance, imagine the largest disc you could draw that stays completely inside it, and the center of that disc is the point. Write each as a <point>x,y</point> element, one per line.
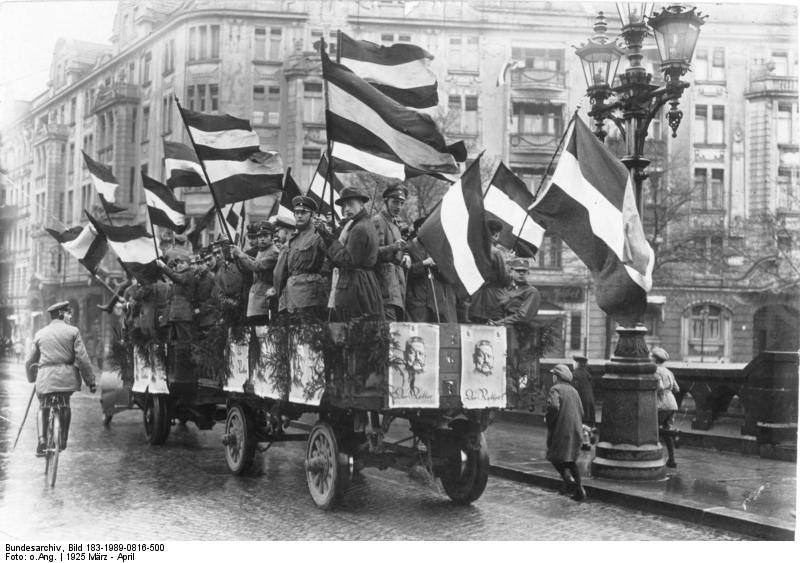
<point>629,448</point>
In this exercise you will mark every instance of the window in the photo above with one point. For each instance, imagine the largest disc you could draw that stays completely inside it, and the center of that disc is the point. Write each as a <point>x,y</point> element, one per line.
<point>785,126</point>
<point>707,131</point>
<point>259,93</point>
<point>86,197</point>
<point>132,73</point>
<point>781,61</point>
<point>700,128</point>
<point>266,104</point>
<point>700,65</point>
<point>539,59</point>
<point>166,114</point>
<point>404,38</point>
<point>203,97</point>
<point>145,136</point>
<point>260,44</point>
<point>169,57</point>
<point>716,133</point>
<point>575,326</point>
<point>788,190</point>
<point>71,161</point>
<point>388,38</point>
<point>73,109</point>
<point>203,42</point>
<point>311,153</point>
<point>538,119</point>
<point>316,37</point>
<point>70,205</point>
<point>706,333</point>
<point>708,195</point>
<point>213,94</point>
<point>134,117</point>
<point>333,38</point>
<point>718,64</point>
<point>549,256</point>
<point>273,105</point>
<point>313,108</point>
<point>145,68</point>
<point>131,182</point>
<point>717,189</point>
<point>88,145</point>
<point>463,53</point>
<point>463,114</point>
<point>145,169</point>
<point>190,97</point>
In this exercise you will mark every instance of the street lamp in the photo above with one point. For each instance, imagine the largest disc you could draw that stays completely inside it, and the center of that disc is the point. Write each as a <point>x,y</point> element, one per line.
<point>629,446</point>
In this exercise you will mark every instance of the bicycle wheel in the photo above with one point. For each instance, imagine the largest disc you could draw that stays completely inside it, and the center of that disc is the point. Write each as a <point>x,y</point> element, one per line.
<point>53,447</point>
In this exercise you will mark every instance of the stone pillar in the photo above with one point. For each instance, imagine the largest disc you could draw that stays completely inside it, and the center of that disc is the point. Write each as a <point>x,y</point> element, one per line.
<point>629,448</point>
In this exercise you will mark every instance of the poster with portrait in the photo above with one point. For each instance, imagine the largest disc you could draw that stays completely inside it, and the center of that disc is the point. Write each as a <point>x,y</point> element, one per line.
<point>483,366</point>
<point>238,370</point>
<point>149,376</point>
<point>308,373</point>
<point>264,376</point>
<point>413,365</point>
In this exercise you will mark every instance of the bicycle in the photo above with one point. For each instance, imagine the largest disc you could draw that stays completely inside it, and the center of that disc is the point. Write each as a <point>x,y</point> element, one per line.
<point>53,443</point>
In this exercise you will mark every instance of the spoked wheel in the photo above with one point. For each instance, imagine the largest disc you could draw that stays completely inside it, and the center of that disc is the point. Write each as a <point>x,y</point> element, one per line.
<point>327,468</point>
<point>156,419</point>
<point>52,451</point>
<point>240,444</point>
<point>465,480</point>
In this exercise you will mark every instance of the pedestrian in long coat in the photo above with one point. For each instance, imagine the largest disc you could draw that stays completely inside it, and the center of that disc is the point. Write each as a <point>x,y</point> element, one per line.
<point>486,304</point>
<point>564,428</point>
<point>298,274</point>
<point>666,403</point>
<point>582,381</point>
<point>355,290</point>
<point>427,289</point>
<point>392,258</point>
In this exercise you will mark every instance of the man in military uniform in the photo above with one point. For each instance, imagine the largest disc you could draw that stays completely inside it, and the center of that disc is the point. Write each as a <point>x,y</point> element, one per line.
<point>393,261</point>
<point>284,228</point>
<point>355,292</point>
<point>428,291</point>
<point>252,240</point>
<point>262,266</point>
<point>485,304</point>
<point>62,361</point>
<point>182,295</point>
<point>205,312</point>
<point>520,304</point>
<point>229,288</point>
<point>303,289</point>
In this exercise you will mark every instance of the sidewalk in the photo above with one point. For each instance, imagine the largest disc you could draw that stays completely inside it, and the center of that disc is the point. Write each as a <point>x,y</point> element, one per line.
<point>741,493</point>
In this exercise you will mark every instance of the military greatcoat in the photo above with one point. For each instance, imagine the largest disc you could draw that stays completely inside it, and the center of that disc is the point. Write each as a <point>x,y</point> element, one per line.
<point>298,271</point>
<point>391,276</point>
<point>207,313</point>
<point>62,358</point>
<point>355,254</point>
<point>485,304</point>
<point>262,267</point>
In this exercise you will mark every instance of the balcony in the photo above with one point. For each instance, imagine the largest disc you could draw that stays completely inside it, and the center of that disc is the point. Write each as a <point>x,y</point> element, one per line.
<point>533,143</point>
<point>51,132</point>
<point>767,85</point>
<point>108,96</point>
<point>707,220</point>
<point>538,79</point>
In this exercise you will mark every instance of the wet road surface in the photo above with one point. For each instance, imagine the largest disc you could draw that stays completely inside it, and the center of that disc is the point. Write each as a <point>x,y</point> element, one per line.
<point>112,485</point>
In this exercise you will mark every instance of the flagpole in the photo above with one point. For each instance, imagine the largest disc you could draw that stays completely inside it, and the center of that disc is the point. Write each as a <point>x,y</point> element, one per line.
<point>153,231</point>
<point>555,153</point>
<point>205,173</point>
<point>328,184</point>
<point>433,291</point>
<point>241,231</point>
<point>121,263</point>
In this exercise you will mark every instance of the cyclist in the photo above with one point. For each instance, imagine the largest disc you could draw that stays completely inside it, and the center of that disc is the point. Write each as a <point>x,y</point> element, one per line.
<point>61,356</point>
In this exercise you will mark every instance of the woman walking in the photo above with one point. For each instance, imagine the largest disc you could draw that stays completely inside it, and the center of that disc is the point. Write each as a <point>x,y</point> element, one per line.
<point>564,428</point>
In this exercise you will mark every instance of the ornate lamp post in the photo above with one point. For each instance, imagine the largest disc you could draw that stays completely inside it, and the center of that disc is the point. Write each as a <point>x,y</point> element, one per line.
<point>629,446</point>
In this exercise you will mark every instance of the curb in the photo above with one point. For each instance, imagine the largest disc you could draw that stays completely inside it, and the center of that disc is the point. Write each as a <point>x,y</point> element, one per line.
<point>722,518</point>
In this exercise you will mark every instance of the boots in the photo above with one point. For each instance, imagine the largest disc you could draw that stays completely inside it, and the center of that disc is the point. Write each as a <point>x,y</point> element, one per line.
<point>580,492</point>
<point>44,415</point>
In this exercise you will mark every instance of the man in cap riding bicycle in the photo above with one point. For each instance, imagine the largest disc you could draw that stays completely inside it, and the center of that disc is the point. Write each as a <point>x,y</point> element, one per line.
<point>62,361</point>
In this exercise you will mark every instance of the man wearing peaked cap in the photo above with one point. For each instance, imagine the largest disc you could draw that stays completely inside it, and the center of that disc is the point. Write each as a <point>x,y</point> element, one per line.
<point>393,258</point>
<point>260,304</point>
<point>302,289</point>
<point>564,428</point>
<point>60,355</point>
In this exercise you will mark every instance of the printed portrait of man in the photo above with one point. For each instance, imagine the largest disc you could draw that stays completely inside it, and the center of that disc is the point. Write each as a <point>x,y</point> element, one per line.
<point>415,361</point>
<point>483,358</point>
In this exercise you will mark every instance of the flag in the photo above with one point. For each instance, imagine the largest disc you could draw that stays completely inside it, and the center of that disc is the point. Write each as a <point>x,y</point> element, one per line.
<point>507,199</point>
<point>164,209</point>
<point>182,168</point>
<point>283,208</point>
<point>229,149</point>
<point>456,236</point>
<point>400,71</point>
<point>511,64</point>
<point>361,117</point>
<point>134,246</point>
<point>104,182</point>
<point>590,205</point>
<point>84,244</point>
<point>319,189</point>
<point>193,234</point>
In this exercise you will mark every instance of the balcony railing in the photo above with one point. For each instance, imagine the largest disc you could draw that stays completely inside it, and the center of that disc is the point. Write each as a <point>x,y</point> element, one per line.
<point>115,94</point>
<point>533,142</point>
<point>538,79</point>
<point>769,85</point>
<point>708,220</point>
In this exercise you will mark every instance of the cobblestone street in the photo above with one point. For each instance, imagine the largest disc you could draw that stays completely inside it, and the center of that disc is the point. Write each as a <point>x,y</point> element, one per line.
<point>112,485</point>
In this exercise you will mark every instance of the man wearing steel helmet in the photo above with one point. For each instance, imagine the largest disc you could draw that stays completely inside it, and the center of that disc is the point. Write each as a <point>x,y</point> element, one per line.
<point>62,361</point>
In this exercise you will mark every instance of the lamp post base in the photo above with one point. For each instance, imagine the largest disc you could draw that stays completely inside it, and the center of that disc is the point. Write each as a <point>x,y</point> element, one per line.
<point>629,448</point>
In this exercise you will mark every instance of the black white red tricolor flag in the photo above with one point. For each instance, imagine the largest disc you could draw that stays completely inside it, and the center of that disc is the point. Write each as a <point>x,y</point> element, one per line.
<point>105,183</point>
<point>85,244</point>
<point>164,208</point>
<point>182,168</point>
<point>507,200</point>
<point>590,205</point>
<point>134,246</point>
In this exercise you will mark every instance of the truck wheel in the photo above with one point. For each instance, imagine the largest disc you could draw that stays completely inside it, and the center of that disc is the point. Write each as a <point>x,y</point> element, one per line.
<point>156,419</point>
<point>465,480</point>
<point>240,445</point>
<point>327,467</point>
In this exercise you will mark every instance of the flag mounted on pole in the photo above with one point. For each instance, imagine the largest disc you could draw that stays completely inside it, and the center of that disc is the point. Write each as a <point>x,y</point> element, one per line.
<point>399,71</point>
<point>507,200</point>
<point>164,209</point>
<point>283,208</point>
<point>456,236</point>
<point>230,152</point>
<point>182,168</point>
<point>590,205</point>
<point>85,244</point>
<point>134,247</point>
<point>193,234</point>
<point>105,183</point>
<point>319,188</point>
<point>361,117</point>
